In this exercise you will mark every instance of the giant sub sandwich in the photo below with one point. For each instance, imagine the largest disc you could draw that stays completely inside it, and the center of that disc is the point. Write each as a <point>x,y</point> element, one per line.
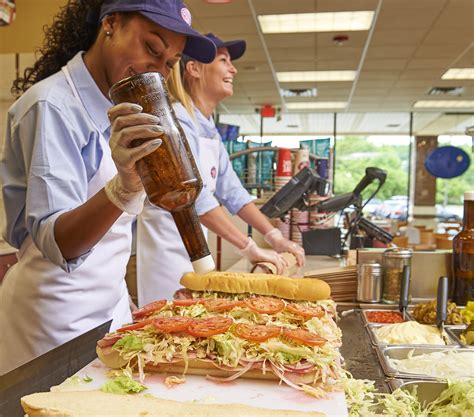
<point>226,336</point>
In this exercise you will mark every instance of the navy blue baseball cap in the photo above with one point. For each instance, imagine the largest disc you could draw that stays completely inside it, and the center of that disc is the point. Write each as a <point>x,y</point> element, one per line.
<point>172,15</point>
<point>236,48</point>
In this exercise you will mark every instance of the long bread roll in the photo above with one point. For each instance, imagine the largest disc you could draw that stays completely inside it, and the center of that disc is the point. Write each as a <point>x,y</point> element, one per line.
<point>101,404</point>
<point>262,284</point>
<point>112,359</point>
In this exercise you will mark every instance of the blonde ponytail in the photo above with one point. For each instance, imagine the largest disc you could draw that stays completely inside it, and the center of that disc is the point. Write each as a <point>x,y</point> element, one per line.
<point>177,91</point>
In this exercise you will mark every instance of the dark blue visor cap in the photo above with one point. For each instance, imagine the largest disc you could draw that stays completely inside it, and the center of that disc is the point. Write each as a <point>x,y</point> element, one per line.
<point>169,14</point>
<point>236,48</point>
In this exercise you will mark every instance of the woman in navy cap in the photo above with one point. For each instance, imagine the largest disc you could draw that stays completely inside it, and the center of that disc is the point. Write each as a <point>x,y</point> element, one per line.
<point>205,86</point>
<point>68,176</point>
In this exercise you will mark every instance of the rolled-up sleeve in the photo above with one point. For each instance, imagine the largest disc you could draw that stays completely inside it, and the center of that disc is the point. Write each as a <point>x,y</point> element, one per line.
<point>54,173</point>
<point>229,190</point>
<point>206,200</point>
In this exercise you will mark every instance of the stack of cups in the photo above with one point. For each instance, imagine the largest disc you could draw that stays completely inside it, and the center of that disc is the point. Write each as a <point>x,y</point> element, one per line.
<point>283,172</point>
<point>301,160</point>
<point>299,223</point>
<point>319,220</point>
<point>284,226</point>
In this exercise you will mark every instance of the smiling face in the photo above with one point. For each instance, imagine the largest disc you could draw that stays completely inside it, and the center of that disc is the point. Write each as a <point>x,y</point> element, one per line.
<point>135,45</point>
<point>218,76</point>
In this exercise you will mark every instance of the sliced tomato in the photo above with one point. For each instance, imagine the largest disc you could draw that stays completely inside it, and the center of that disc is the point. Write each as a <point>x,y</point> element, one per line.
<point>209,327</point>
<point>305,311</point>
<point>172,324</point>
<point>304,336</point>
<point>265,305</point>
<point>109,340</point>
<point>186,302</point>
<point>256,332</point>
<point>219,305</point>
<point>148,309</point>
<point>135,326</point>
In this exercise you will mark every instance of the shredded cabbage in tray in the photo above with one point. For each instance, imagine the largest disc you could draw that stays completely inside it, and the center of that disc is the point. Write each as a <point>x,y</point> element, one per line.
<point>447,364</point>
<point>363,400</point>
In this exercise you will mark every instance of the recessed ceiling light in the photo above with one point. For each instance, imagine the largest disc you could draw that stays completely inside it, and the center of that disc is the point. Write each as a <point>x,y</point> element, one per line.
<point>299,92</point>
<point>311,76</point>
<point>458,74</point>
<point>446,91</point>
<point>316,22</point>
<point>436,104</point>
<point>313,105</point>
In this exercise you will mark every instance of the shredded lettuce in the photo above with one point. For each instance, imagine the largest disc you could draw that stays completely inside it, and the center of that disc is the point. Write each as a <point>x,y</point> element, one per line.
<point>129,342</point>
<point>363,400</point>
<point>122,385</point>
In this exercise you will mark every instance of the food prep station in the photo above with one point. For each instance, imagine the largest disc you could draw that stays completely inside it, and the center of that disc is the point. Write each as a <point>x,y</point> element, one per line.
<point>364,357</point>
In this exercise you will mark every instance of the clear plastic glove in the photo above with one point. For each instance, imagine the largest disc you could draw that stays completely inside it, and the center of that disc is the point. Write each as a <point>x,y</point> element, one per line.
<point>125,190</point>
<point>276,240</point>
<point>256,254</point>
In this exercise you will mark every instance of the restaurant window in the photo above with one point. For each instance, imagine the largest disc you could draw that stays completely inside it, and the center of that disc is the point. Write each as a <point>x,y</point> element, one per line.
<point>355,153</point>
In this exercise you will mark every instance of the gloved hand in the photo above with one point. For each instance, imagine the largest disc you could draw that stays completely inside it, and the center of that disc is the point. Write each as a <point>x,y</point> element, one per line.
<point>256,254</point>
<point>125,189</point>
<point>276,240</point>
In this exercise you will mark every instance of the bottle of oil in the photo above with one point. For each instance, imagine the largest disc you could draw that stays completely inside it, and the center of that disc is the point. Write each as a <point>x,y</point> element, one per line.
<point>463,255</point>
<point>169,175</point>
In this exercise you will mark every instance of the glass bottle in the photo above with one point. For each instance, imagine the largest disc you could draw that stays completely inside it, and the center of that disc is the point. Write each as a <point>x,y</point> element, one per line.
<point>463,255</point>
<point>393,261</point>
<point>169,174</point>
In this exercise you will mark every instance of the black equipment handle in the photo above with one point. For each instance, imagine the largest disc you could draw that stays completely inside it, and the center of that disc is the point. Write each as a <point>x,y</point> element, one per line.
<point>442,302</point>
<point>404,289</point>
<point>371,174</point>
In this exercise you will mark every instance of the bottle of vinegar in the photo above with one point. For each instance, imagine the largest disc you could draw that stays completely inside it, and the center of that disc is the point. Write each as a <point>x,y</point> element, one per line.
<point>169,174</point>
<point>463,255</point>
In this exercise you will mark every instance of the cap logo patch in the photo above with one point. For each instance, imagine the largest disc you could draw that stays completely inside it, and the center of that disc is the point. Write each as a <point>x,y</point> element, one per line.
<point>186,15</point>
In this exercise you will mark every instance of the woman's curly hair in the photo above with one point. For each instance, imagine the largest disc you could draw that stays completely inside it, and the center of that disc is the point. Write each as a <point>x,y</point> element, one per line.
<point>74,29</point>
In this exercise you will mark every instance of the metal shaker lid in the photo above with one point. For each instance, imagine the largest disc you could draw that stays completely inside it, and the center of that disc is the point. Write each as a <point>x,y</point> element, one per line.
<point>398,253</point>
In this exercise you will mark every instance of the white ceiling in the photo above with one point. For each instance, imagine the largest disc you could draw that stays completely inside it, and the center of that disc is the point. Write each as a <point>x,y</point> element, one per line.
<point>413,43</point>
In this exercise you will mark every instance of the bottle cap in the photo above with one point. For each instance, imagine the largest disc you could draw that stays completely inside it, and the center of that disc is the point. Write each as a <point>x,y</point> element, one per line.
<point>203,265</point>
<point>468,195</point>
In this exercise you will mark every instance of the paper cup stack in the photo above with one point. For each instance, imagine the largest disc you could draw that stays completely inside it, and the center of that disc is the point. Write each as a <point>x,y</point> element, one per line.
<point>284,168</point>
<point>301,160</point>
<point>284,226</point>
<point>299,223</point>
<point>319,220</point>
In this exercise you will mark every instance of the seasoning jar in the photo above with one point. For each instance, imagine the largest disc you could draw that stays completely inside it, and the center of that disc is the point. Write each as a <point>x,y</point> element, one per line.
<point>394,260</point>
<point>369,283</point>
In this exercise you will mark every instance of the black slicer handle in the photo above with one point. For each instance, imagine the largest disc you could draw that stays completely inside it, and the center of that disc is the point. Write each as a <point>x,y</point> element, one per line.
<point>442,301</point>
<point>404,288</point>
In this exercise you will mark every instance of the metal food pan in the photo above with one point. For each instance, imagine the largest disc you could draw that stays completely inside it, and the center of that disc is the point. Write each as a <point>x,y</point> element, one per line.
<point>367,322</point>
<point>411,308</point>
<point>425,391</point>
<point>371,327</point>
<point>455,333</point>
<point>401,352</point>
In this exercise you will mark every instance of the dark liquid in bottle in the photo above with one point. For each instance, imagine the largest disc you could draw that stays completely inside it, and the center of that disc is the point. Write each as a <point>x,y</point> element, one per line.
<point>169,175</point>
<point>463,258</point>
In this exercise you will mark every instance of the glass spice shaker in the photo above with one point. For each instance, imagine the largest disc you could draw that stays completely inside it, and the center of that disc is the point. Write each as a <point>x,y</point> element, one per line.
<point>393,261</point>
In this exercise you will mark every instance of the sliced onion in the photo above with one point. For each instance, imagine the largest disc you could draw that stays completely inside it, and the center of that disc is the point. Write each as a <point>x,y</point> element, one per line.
<point>300,369</point>
<point>282,376</point>
<point>231,377</point>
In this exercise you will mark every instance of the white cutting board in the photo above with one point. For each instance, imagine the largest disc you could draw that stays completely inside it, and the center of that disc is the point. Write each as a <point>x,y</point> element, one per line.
<point>257,393</point>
